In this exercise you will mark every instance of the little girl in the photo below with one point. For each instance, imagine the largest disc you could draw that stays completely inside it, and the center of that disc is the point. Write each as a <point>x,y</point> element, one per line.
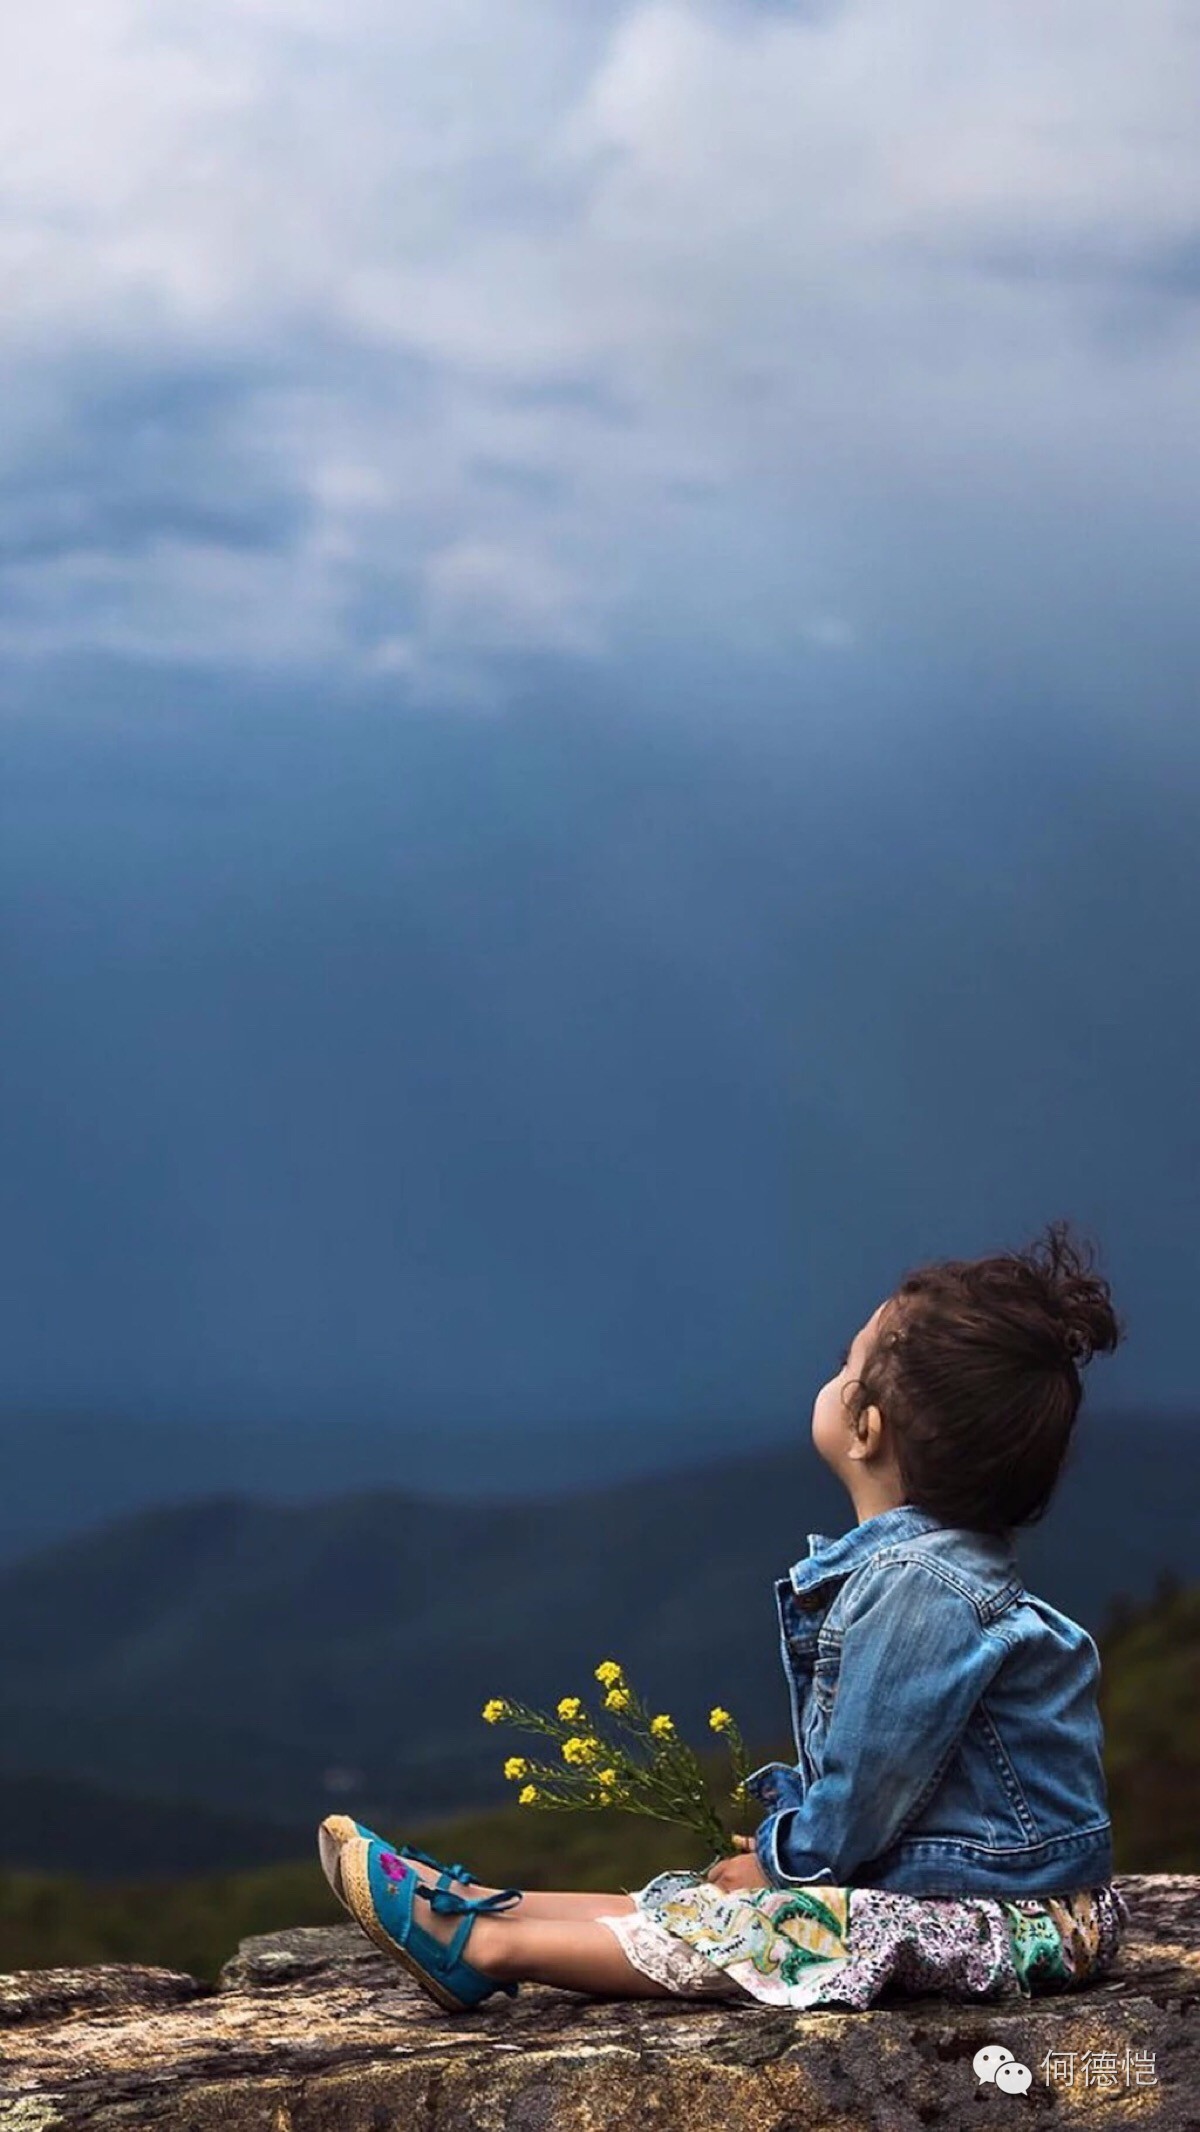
<point>945,1825</point>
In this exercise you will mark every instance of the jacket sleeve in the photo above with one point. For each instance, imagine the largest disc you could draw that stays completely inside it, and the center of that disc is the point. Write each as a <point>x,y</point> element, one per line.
<point>915,1659</point>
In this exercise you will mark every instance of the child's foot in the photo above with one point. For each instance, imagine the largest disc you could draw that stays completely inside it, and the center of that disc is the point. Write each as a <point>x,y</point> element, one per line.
<point>438,1926</point>
<point>338,1828</point>
<point>386,1902</point>
<point>441,1926</point>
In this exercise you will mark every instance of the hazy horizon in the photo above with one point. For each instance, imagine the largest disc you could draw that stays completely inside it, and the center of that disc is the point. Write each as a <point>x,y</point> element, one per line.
<point>69,1476</point>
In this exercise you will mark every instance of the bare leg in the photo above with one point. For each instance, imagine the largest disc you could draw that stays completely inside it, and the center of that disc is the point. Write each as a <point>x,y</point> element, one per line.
<point>576,1955</point>
<point>563,1945</point>
<point>574,1905</point>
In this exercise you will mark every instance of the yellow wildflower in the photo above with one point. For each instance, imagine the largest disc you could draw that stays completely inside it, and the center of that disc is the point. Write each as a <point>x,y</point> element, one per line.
<point>617,1699</point>
<point>516,1766</point>
<point>607,1777</point>
<point>719,1719</point>
<point>609,1672</point>
<point>662,1727</point>
<point>579,1750</point>
<point>494,1711</point>
<point>570,1707</point>
<point>527,1796</point>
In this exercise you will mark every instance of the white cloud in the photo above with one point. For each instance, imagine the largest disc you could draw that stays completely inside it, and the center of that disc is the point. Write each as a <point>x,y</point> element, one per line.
<point>499,599</point>
<point>809,276</point>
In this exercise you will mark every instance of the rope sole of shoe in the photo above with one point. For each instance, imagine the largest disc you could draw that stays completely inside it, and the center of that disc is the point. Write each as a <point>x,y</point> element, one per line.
<point>335,1830</point>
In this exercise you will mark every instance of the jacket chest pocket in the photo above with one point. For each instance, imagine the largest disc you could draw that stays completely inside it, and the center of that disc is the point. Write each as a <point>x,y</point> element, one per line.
<point>826,1667</point>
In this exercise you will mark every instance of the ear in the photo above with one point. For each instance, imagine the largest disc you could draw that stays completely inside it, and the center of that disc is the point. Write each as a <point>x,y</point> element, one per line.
<point>868,1434</point>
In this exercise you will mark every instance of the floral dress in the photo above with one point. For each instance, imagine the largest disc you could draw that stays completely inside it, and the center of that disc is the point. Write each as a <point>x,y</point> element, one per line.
<point>834,1946</point>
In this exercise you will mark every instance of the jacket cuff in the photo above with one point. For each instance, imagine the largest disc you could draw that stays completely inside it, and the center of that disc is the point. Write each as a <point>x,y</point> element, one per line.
<point>771,1848</point>
<point>775,1784</point>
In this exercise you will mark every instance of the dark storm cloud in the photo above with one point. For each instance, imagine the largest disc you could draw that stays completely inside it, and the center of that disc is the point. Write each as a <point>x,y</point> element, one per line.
<point>135,458</point>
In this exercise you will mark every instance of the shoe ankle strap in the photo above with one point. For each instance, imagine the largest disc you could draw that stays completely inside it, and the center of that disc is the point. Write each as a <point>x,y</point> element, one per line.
<point>448,1904</point>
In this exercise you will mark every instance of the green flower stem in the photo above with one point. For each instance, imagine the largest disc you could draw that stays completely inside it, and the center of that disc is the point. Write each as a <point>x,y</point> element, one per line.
<point>741,1766</point>
<point>674,1782</point>
<point>680,1762</point>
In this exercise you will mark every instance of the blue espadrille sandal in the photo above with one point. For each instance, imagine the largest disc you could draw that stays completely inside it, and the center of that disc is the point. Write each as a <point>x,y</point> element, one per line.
<point>335,1830</point>
<point>381,1893</point>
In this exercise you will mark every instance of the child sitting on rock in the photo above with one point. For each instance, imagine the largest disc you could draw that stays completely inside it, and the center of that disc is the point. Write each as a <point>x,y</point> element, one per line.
<point>945,1824</point>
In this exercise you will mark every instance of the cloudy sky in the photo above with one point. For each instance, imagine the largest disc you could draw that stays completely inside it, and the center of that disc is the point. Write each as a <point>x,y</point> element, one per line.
<point>598,702</point>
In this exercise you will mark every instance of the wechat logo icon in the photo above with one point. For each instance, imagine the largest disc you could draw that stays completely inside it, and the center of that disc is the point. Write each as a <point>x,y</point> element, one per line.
<point>996,2062</point>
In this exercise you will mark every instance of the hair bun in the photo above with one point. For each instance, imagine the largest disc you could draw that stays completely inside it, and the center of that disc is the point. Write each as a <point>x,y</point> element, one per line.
<point>1077,1298</point>
<point>1078,1345</point>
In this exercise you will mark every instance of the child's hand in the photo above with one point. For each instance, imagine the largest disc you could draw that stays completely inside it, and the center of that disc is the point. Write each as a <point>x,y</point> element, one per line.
<point>743,1872</point>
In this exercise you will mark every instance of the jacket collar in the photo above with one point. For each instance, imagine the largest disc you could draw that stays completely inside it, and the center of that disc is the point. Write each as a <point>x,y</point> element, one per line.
<point>836,1558</point>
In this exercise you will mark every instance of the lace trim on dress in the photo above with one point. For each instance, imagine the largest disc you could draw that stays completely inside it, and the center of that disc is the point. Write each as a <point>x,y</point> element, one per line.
<point>669,1961</point>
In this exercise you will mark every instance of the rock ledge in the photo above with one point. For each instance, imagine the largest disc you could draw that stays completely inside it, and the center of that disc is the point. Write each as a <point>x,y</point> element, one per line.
<point>315,2031</point>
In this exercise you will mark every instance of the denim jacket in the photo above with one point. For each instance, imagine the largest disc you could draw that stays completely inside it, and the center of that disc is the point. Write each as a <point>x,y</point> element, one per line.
<point>947,1734</point>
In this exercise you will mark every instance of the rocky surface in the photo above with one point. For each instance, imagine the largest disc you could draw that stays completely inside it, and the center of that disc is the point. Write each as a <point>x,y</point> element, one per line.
<point>315,2031</point>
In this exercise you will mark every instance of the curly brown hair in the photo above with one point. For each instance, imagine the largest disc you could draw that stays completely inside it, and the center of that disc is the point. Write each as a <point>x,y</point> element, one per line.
<point>975,1366</point>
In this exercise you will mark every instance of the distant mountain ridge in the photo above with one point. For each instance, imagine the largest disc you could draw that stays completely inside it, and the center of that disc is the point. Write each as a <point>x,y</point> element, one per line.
<point>57,1825</point>
<point>66,1473</point>
<point>270,1661</point>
